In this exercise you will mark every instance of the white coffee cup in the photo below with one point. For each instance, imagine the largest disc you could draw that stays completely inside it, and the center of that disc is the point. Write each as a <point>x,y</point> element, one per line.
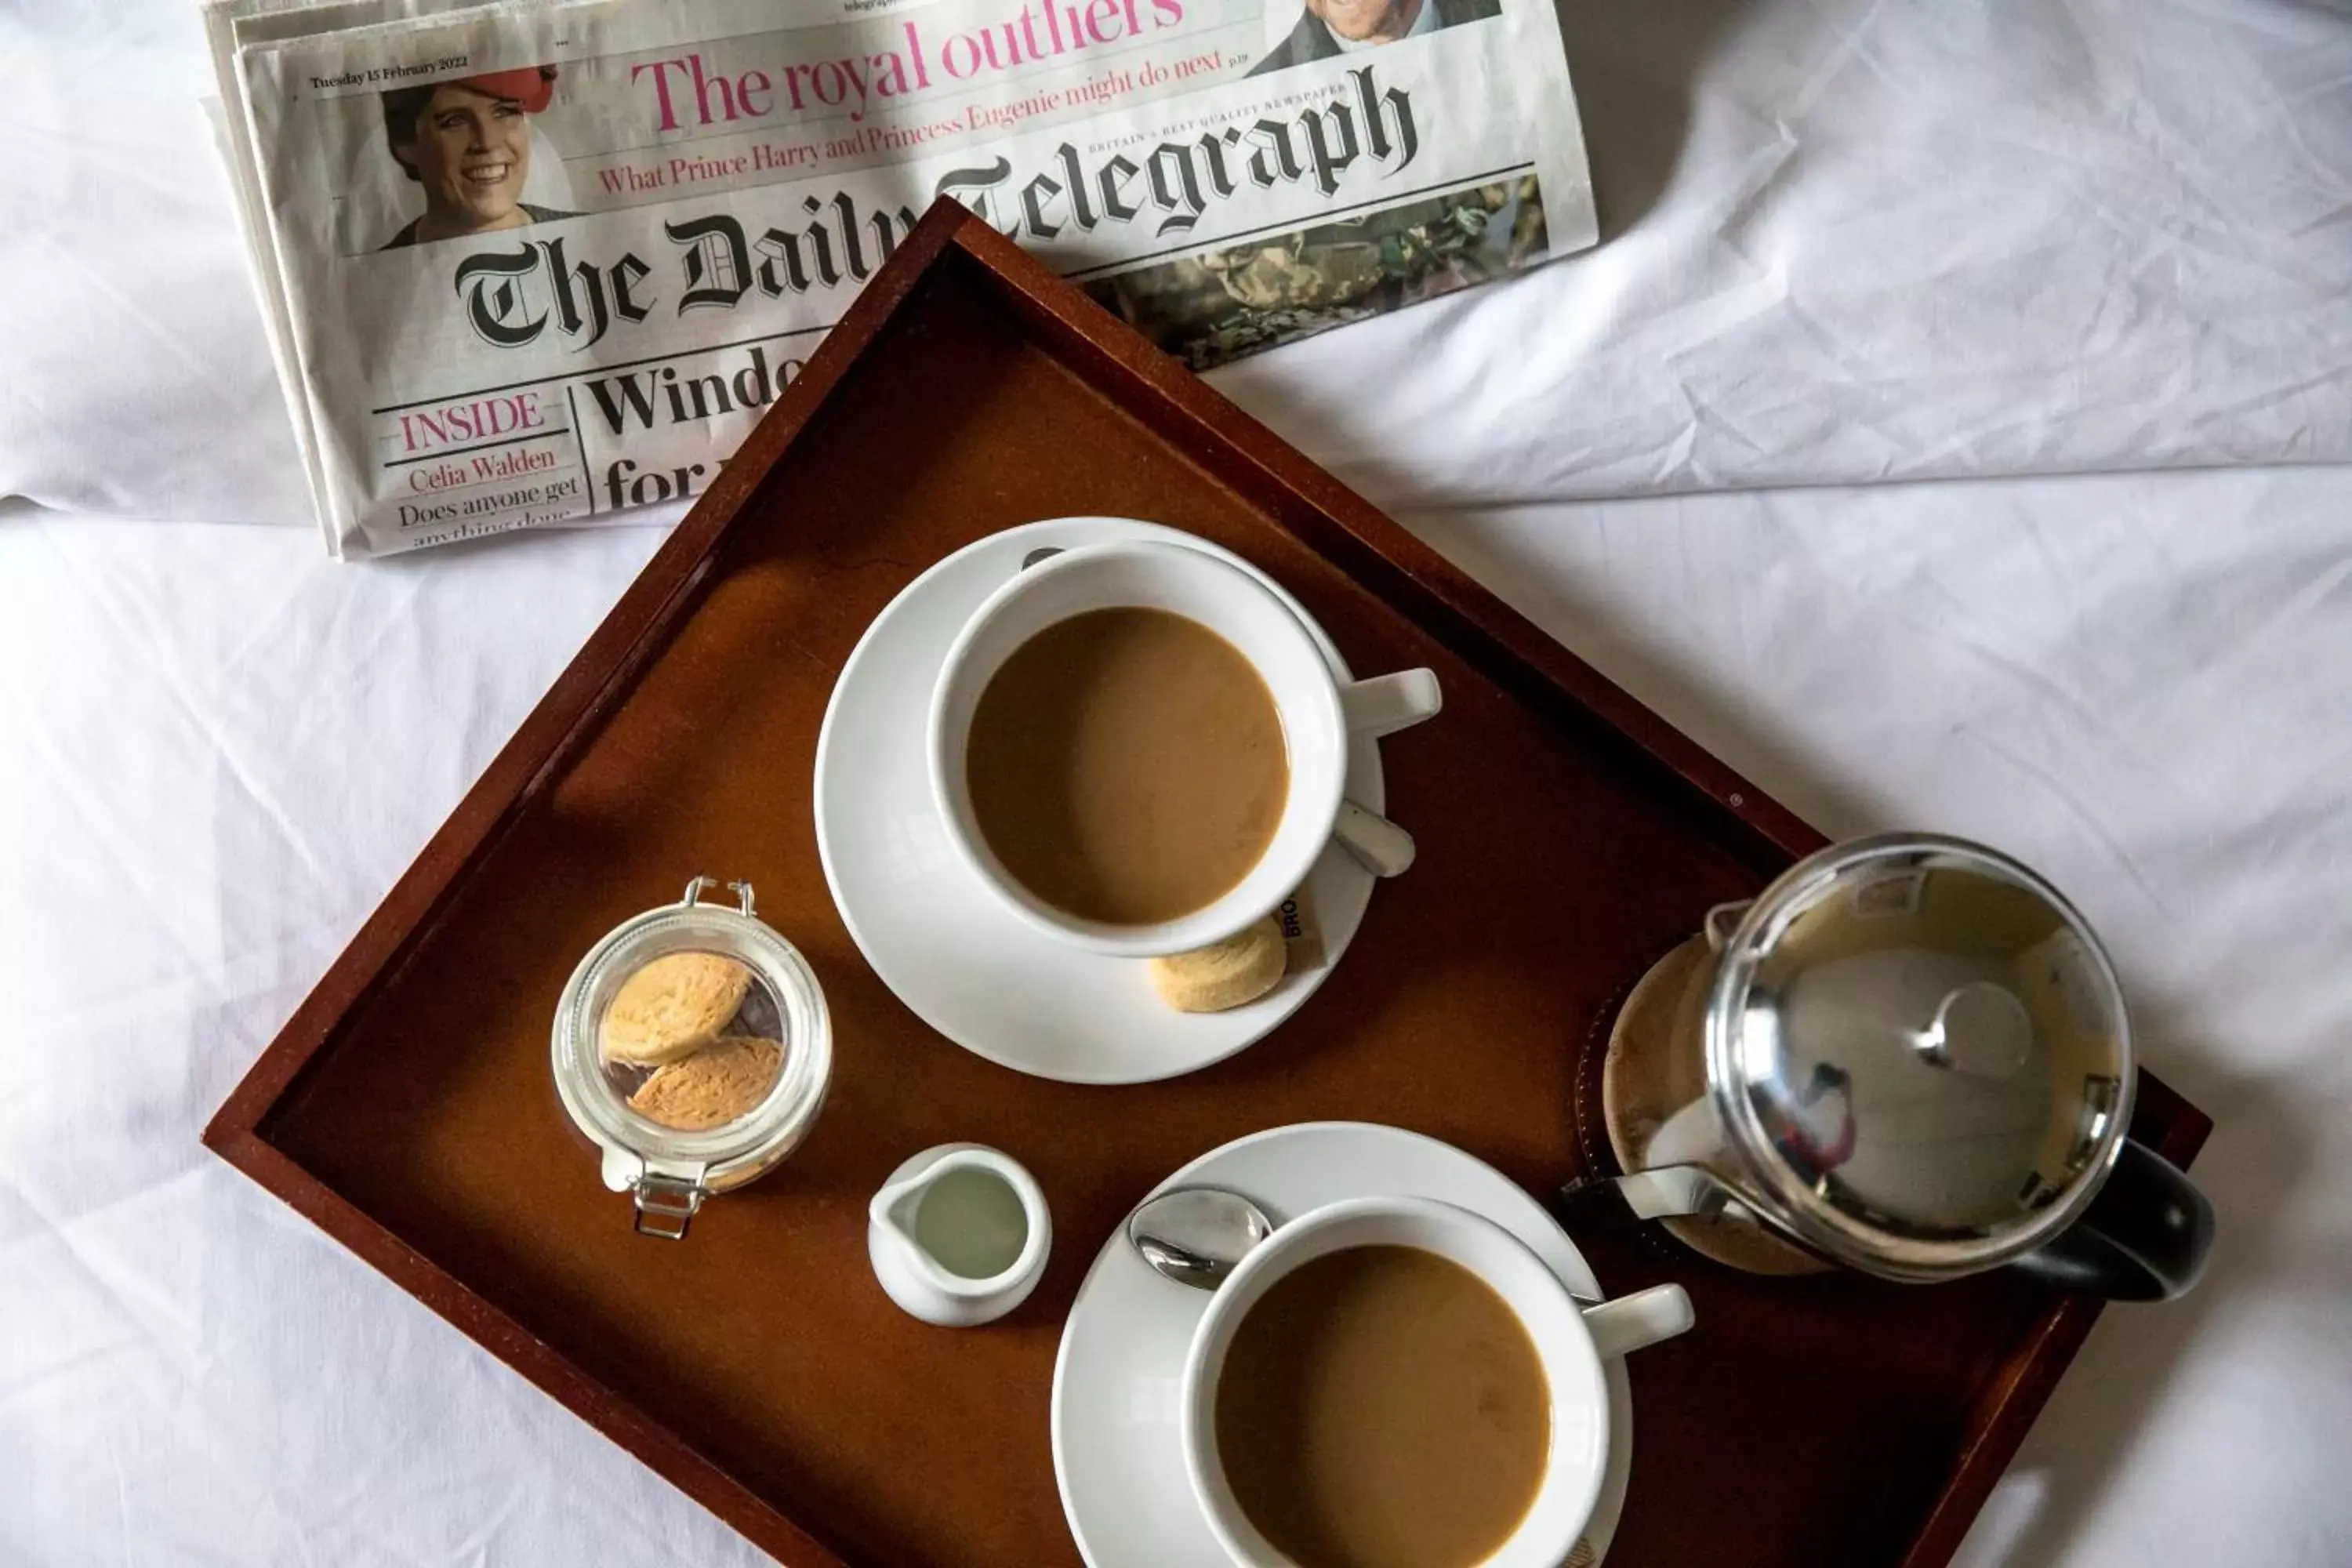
<point>1571,1341</point>
<point>1318,716</point>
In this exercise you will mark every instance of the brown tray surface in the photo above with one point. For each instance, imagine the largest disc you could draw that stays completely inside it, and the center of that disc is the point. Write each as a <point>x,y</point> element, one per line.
<point>1566,838</point>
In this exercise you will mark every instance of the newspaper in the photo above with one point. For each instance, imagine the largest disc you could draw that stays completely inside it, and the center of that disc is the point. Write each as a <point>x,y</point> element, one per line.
<point>543,261</point>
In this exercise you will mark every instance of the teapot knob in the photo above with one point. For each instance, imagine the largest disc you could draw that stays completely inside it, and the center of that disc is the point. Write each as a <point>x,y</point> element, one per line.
<point>1980,1029</point>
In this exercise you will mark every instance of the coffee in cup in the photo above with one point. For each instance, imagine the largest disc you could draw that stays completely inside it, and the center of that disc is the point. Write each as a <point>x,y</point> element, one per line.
<point>1382,1408</point>
<point>1398,1383</point>
<point>1141,748</point>
<point>1127,765</point>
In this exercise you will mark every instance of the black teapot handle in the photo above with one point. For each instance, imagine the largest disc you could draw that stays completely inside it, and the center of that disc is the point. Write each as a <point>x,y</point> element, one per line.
<point>2144,1238</point>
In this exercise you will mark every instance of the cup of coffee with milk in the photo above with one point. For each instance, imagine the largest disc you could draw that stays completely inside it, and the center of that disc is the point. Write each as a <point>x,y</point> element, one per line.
<point>1398,1383</point>
<point>1140,749</point>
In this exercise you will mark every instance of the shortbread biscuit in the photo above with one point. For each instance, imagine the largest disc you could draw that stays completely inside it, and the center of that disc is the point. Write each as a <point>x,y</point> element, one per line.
<point>723,1080</point>
<point>672,1006</point>
<point>1242,968</point>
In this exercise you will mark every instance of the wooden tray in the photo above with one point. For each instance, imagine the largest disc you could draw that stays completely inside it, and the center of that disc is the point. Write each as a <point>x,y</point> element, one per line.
<point>1568,837</point>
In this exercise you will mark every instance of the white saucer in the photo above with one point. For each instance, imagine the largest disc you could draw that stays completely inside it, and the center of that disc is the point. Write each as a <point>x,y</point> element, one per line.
<point>1116,1451</point>
<point>966,965</point>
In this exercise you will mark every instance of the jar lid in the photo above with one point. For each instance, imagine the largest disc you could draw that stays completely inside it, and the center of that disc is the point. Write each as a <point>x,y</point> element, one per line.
<point>693,1046</point>
<point>1920,1052</point>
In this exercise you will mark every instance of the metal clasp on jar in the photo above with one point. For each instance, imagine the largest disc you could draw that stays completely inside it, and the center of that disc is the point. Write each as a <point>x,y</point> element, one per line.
<point>666,1200</point>
<point>742,891</point>
<point>667,1205</point>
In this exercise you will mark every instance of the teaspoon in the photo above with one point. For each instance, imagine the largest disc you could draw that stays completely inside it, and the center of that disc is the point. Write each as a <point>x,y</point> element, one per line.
<point>1195,1235</point>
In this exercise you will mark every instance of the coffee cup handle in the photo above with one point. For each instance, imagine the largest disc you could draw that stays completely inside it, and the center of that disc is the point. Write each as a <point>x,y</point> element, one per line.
<point>1387,703</point>
<point>1626,1324</point>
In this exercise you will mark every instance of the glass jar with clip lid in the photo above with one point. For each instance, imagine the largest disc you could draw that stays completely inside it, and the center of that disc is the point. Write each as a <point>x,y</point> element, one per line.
<point>693,1047</point>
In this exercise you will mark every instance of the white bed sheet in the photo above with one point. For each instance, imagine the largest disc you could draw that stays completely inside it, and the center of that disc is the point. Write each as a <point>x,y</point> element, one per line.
<point>1850,242</point>
<point>2139,683</point>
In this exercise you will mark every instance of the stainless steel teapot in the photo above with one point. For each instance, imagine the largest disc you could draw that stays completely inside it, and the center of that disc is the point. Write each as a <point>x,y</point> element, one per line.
<point>1910,1056</point>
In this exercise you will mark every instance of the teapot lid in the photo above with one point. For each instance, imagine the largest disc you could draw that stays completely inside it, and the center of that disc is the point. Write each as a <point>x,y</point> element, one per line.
<point>1920,1052</point>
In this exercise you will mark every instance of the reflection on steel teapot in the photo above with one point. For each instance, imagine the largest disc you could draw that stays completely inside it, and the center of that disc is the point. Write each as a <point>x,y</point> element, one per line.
<point>1908,1055</point>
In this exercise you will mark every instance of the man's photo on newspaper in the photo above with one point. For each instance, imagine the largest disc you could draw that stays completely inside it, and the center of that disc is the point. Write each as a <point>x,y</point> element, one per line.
<point>1327,28</point>
<point>466,145</point>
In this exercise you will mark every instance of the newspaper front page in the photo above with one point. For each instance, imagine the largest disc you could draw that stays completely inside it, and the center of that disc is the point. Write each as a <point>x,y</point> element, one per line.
<point>540,263</point>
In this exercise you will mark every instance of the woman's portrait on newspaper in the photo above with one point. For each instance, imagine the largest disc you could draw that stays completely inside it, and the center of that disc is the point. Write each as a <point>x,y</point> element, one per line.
<point>467,143</point>
<point>1327,29</point>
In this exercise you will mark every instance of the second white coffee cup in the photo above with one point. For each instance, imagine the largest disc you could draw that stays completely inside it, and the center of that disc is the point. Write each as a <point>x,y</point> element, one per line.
<point>1318,714</point>
<point>1571,1340</point>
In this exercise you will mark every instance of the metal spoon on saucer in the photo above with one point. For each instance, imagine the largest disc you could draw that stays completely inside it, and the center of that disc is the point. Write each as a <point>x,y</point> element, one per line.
<point>1197,1236</point>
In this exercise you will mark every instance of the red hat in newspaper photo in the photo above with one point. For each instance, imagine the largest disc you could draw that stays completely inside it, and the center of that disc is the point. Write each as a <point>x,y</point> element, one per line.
<point>531,87</point>
<point>468,143</point>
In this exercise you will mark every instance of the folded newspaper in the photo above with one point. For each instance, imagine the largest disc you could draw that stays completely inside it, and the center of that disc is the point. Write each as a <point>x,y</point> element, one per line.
<point>541,261</point>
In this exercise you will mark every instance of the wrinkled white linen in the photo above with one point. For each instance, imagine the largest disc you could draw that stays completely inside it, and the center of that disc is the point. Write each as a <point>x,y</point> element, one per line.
<point>1891,239</point>
<point>1844,240</point>
<point>2139,683</point>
